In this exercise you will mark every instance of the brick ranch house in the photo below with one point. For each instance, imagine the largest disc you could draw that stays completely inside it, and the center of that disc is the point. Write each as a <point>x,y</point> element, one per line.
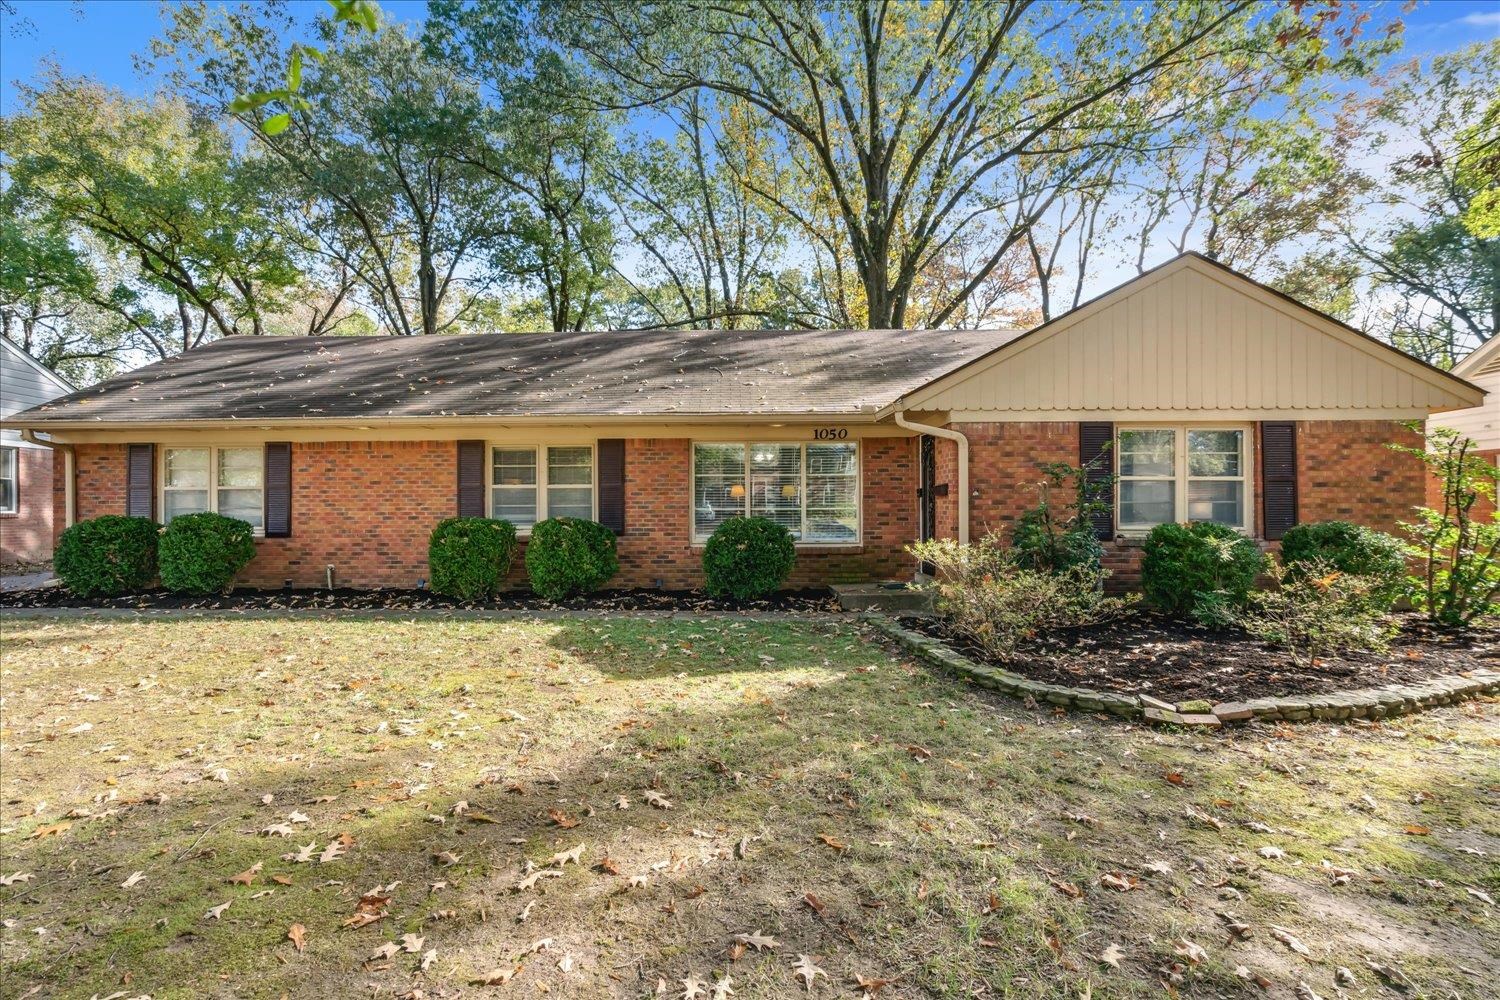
<point>1225,401</point>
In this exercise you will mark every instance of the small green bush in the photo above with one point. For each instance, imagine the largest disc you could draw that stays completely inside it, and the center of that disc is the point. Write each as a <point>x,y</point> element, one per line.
<point>568,556</point>
<point>1202,570</point>
<point>468,557</point>
<point>201,553</point>
<point>1351,549</point>
<point>107,556</point>
<point>748,557</point>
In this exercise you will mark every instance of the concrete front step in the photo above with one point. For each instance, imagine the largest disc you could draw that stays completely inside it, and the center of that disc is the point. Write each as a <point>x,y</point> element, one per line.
<point>889,598</point>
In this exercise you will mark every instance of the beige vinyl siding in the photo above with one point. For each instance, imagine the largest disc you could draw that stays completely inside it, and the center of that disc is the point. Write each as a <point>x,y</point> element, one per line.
<point>1193,339</point>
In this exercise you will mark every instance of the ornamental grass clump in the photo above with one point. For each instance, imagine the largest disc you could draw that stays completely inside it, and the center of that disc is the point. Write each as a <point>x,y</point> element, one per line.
<point>468,557</point>
<point>107,556</point>
<point>1317,610</point>
<point>568,556</point>
<point>988,597</point>
<point>202,553</point>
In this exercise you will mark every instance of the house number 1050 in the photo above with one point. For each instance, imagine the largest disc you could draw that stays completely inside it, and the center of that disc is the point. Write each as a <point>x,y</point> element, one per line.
<point>830,433</point>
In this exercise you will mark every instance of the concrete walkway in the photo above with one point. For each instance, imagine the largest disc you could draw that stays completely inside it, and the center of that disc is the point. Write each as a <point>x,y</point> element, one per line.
<point>27,581</point>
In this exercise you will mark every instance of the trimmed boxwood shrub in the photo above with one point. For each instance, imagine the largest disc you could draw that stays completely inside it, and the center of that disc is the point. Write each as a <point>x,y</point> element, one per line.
<point>1199,569</point>
<point>201,553</point>
<point>568,556</point>
<point>1349,548</point>
<point>748,557</point>
<point>107,556</point>
<point>468,557</point>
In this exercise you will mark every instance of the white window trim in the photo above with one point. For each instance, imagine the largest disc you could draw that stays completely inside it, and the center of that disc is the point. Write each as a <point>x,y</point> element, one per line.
<point>213,477</point>
<point>1180,476</point>
<point>859,489</point>
<point>543,487</point>
<point>15,477</point>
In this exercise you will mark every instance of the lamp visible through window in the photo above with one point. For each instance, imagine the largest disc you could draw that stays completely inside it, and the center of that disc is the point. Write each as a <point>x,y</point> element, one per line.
<point>737,491</point>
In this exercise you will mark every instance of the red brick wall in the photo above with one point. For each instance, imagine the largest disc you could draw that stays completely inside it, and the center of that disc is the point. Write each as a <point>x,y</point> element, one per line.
<point>1345,472</point>
<point>367,508</point>
<point>26,535</point>
<point>1005,468</point>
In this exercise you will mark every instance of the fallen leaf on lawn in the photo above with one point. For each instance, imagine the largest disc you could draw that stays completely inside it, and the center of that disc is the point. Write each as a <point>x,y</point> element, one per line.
<point>1199,816</point>
<point>807,971</point>
<point>55,830</point>
<point>1344,976</point>
<point>572,854</point>
<point>446,859</point>
<point>216,912</point>
<point>1483,897</point>
<point>411,943</point>
<point>247,876</point>
<point>385,951</point>
<point>536,947</point>
<point>428,957</point>
<point>497,977</point>
<point>608,866</point>
<point>723,989</point>
<point>1157,868</point>
<point>1271,853</point>
<point>816,904</point>
<point>278,830</point>
<point>1305,992</point>
<point>1235,928</point>
<point>1391,974</point>
<point>1111,956</point>
<point>1252,977</point>
<point>639,881</point>
<point>1083,818</point>
<point>562,819</point>
<point>1173,777</point>
<point>919,752</point>
<point>1416,830</point>
<point>131,882</point>
<point>266,800</point>
<point>1066,888</point>
<point>297,934</point>
<point>297,817</point>
<point>1289,939</point>
<point>871,986</point>
<point>15,877</point>
<point>1119,881</point>
<point>565,964</point>
<point>460,807</point>
<point>530,881</point>
<point>656,799</point>
<point>332,852</point>
<point>1194,953</point>
<point>281,880</point>
<point>693,988</point>
<point>833,842</point>
<point>758,941</point>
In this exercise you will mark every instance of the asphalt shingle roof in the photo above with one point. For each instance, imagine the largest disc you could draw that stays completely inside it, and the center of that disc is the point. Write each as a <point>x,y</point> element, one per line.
<point>674,373</point>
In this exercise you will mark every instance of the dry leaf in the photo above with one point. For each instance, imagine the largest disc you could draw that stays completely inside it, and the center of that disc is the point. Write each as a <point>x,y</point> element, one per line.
<point>530,881</point>
<point>1119,881</point>
<point>817,905</point>
<point>758,941</point>
<point>807,971</point>
<point>297,934</point>
<point>1289,939</point>
<point>411,943</point>
<point>332,852</point>
<point>723,989</point>
<point>55,830</point>
<point>833,842</point>
<point>15,877</point>
<point>1111,956</point>
<point>1305,992</point>
<point>572,854</point>
<point>131,882</point>
<point>693,988</point>
<point>385,951</point>
<point>871,986</point>
<point>562,819</point>
<point>216,912</point>
<point>428,958</point>
<point>1416,830</point>
<point>1194,953</point>
<point>1271,853</point>
<point>656,799</point>
<point>247,876</point>
<point>497,977</point>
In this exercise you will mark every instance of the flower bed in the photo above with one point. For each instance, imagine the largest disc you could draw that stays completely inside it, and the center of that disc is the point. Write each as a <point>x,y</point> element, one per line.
<point>1145,666</point>
<point>418,600</point>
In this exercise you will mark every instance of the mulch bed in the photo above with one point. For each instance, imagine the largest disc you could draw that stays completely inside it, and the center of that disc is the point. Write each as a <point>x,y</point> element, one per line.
<point>1147,653</point>
<point>420,600</point>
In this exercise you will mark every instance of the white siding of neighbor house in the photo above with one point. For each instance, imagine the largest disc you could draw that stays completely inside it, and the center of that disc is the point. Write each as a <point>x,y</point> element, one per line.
<point>1191,339</point>
<point>1479,423</point>
<point>23,384</point>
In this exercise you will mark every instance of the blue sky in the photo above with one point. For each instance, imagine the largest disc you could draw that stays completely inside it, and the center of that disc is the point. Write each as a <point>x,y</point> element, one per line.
<point>98,37</point>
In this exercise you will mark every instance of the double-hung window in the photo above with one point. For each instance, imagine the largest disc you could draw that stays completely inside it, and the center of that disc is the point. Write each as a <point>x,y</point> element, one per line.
<point>529,483</point>
<point>810,489</point>
<point>1169,474</point>
<point>10,480</point>
<point>228,481</point>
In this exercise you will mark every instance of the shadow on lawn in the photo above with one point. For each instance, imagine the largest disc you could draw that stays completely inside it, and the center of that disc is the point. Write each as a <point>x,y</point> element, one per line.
<point>967,795</point>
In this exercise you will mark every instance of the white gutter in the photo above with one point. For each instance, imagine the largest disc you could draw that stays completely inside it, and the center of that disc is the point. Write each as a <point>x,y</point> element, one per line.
<point>70,491</point>
<point>963,466</point>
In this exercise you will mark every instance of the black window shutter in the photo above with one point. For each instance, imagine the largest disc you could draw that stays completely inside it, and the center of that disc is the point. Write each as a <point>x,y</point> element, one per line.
<point>612,484</point>
<point>278,489</point>
<point>471,479</point>
<point>140,480</point>
<point>1094,453</point>
<point>1278,473</point>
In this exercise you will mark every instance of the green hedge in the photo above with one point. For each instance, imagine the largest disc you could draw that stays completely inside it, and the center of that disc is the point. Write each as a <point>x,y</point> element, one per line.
<point>568,556</point>
<point>1352,549</point>
<point>748,557</point>
<point>201,553</point>
<point>1199,569</point>
<point>107,556</point>
<point>468,557</point>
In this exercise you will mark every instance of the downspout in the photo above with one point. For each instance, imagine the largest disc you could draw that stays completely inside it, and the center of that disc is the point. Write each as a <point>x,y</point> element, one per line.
<point>70,493</point>
<point>963,466</point>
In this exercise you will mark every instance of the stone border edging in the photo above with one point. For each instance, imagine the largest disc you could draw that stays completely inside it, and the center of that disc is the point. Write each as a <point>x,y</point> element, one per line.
<point>397,614</point>
<point>1362,703</point>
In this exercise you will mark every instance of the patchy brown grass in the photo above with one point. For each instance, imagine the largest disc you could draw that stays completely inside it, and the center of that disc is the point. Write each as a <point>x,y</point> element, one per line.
<point>931,822</point>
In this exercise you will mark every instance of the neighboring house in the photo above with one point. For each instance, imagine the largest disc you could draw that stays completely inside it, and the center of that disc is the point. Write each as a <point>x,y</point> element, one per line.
<point>1224,400</point>
<point>26,510</point>
<point>1480,424</point>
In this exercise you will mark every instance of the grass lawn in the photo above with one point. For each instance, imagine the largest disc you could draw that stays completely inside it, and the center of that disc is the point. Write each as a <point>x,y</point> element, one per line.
<point>883,820</point>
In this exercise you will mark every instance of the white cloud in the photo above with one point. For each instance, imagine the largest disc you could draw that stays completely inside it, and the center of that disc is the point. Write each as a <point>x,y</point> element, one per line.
<point>1481,19</point>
